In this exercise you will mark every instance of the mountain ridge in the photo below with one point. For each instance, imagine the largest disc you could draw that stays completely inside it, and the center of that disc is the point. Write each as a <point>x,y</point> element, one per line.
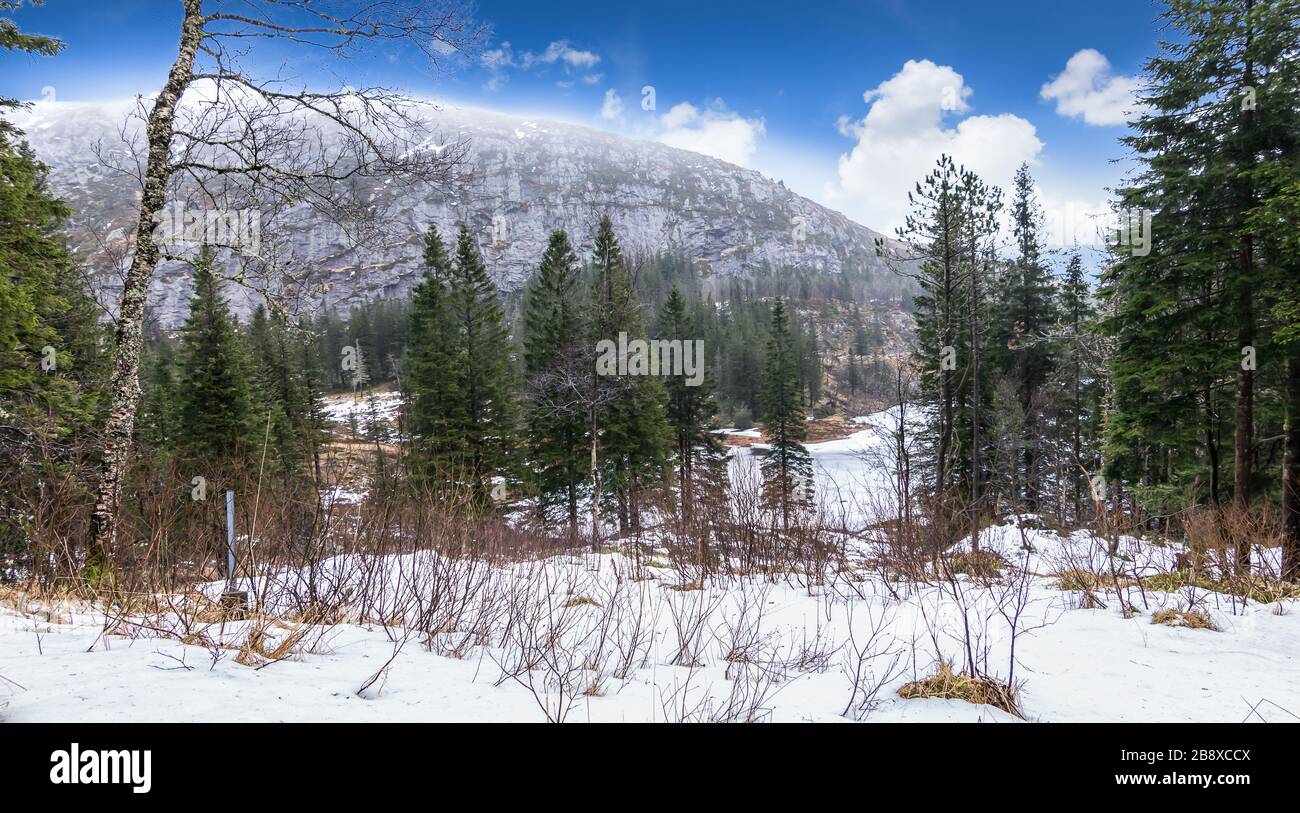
<point>523,177</point>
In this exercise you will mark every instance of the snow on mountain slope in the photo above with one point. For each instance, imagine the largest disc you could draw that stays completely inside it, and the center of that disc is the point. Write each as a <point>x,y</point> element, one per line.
<point>524,177</point>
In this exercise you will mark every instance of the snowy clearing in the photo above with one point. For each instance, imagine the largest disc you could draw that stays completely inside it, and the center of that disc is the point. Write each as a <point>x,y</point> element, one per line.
<point>1082,665</point>
<point>642,642</point>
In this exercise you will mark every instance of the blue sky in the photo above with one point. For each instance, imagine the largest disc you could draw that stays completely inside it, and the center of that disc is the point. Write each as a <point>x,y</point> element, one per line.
<point>847,102</point>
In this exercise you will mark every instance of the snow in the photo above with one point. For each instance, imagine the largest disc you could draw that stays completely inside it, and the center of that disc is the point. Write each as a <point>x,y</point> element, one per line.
<point>1084,665</point>
<point>740,433</point>
<point>1072,664</point>
<point>386,406</point>
<point>850,474</point>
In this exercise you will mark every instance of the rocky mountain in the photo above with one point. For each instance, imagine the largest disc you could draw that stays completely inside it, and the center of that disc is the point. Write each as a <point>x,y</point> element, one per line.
<point>522,178</point>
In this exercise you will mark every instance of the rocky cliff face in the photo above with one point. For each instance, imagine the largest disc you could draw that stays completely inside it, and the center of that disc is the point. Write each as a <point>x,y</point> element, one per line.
<point>522,178</point>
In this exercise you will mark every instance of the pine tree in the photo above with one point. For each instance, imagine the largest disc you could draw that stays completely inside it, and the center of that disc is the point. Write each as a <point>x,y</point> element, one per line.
<point>434,402</point>
<point>1027,311</point>
<point>862,342</point>
<point>483,372</point>
<point>216,405</point>
<point>632,433</point>
<point>932,232</point>
<point>853,376</point>
<point>699,455</point>
<point>557,361</point>
<point>786,465</point>
<point>980,208</point>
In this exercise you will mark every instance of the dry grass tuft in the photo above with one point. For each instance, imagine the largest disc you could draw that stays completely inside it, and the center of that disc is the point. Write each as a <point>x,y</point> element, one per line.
<point>1195,619</point>
<point>983,564</point>
<point>1176,580</point>
<point>948,685</point>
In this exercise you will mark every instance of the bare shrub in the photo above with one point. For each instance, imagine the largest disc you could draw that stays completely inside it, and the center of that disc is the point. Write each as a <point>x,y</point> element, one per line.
<point>872,660</point>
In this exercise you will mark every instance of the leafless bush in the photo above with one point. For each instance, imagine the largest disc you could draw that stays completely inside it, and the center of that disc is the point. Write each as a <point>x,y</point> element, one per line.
<point>556,647</point>
<point>640,605</point>
<point>690,611</point>
<point>872,660</point>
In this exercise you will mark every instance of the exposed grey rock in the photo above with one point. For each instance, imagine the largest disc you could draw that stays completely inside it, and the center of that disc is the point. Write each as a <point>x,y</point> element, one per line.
<point>524,177</point>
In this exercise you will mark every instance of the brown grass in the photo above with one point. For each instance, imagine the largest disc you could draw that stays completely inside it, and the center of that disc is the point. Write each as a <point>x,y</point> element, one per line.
<point>1194,619</point>
<point>982,564</point>
<point>1080,580</point>
<point>948,685</point>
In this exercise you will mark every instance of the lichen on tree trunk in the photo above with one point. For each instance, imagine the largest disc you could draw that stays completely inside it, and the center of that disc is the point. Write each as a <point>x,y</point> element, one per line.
<point>125,387</point>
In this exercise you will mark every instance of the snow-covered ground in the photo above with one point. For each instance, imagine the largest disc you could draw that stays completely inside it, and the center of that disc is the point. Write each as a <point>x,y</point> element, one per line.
<point>1072,664</point>
<point>851,480</point>
<point>639,647</point>
<point>380,406</point>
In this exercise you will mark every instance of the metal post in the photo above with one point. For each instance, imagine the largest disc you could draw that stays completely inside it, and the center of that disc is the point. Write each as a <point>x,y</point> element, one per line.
<point>230,538</point>
<point>234,602</point>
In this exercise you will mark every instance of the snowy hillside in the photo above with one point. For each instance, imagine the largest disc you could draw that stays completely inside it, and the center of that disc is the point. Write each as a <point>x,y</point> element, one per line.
<point>521,178</point>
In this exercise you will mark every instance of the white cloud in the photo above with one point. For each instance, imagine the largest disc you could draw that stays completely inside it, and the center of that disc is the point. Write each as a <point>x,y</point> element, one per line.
<point>561,51</point>
<point>681,115</point>
<point>714,131</point>
<point>497,61</point>
<point>498,58</point>
<point>612,108</point>
<point>905,131</point>
<point>1088,90</point>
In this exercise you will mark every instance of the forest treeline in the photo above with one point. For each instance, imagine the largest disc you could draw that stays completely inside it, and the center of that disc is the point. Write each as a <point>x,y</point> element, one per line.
<point>490,397</point>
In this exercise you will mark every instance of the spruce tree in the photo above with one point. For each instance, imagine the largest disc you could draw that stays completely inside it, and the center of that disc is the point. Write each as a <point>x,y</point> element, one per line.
<point>632,434</point>
<point>483,423</point>
<point>699,454</point>
<point>786,464</point>
<point>159,425</point>
<point>217,422</point>
<point>557,361</point>
<point>431,384</point>
<point>1027,310</point>
<point>51,367</point>
<point>1191,314</point>
<point>1079,402</point>
<point>13,39</point>
<point>286,392</point>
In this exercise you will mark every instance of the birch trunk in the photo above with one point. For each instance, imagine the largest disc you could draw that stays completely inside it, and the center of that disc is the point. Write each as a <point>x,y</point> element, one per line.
<point>125,387</point>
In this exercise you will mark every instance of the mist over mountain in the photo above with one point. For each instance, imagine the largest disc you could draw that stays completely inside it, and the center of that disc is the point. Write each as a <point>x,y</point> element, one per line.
<point>520,178</point>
